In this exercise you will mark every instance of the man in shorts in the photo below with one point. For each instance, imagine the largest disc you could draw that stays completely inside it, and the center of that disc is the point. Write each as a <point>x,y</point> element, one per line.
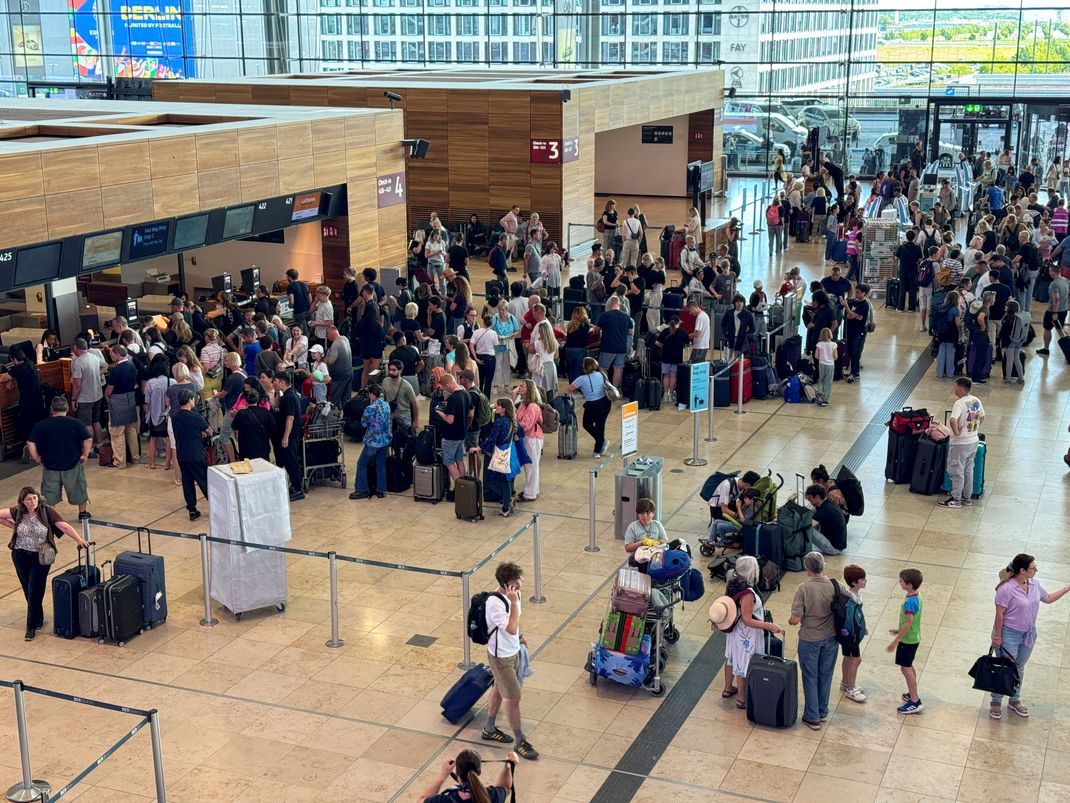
<point>61,444</point>
<point>503,656</point>
<point>617,328</point>
<point>453,420</point>
<point>87,387</point>
<point>1055,314</point>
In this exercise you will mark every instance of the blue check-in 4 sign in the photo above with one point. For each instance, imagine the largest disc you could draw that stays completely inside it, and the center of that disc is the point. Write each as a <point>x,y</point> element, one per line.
<point>698,399</point>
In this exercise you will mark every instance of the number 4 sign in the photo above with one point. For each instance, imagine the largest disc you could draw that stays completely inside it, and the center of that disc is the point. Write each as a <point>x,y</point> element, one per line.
<point>390,190</point>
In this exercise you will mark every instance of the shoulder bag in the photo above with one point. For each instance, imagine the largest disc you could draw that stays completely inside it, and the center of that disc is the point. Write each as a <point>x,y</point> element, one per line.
<point>612,392</point>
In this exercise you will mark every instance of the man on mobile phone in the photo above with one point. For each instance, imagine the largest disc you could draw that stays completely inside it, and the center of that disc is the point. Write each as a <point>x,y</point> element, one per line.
<point>503,655</point>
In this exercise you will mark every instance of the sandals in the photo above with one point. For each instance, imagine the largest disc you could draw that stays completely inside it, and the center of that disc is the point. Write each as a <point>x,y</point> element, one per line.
<point>496,735</point>
<point>726,693</point>
<point>741,704</point>
<point>1018,707</point>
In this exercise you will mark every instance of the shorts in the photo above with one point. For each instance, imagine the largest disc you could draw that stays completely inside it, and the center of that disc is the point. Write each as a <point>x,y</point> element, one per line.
<point>904,654</point>
<point>72,481</point>
<point>608,360</point>
<point>1049,320</point>
<point>452,452</point>
<point>505,671</point>
<point>89,412</point>
<point>851,648</point>
<point>471,439</point>
<point>668,368</point>
<point>158,430</point>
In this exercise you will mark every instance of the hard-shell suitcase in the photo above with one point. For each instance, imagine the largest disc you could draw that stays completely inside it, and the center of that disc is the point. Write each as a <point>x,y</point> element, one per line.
<point>149,570</point>
<point>802,231</point>
<point>122,608</point>
<point>1064,346</point>
<point>734,380</point>
<point>765,540</point>
<point>654,392</point>
<point>466,692</point>
<point>468,492</point>
<point>772,691</point>
<point>899,464</point>
<point>843,360</point>
<point>894,290</point>
<point>566,441</point>
<point>429,483</point>
<point>91,611</point>
<point>631,591</point>
<point>978,473</point>
<point>759,375</point>
<point>66,586</point>
<point>929,466</point>
<point>722,396</point>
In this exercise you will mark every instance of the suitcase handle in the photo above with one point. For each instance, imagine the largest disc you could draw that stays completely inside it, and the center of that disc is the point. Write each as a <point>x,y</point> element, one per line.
<point>90,557</point>
<point>105,563</point>
<point>148,538</point>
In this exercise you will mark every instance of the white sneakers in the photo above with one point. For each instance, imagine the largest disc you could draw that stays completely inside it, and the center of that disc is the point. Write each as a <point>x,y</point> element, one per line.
<point>855,694</point>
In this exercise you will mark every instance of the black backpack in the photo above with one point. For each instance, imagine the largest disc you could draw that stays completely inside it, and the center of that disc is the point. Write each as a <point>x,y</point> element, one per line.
<point>851,489</point>
<point>839,611</point>
<point>477,616</point>
<point>426,448</point>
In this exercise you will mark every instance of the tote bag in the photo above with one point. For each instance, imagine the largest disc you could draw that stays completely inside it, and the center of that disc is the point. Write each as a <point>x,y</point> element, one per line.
<point>996,673</point>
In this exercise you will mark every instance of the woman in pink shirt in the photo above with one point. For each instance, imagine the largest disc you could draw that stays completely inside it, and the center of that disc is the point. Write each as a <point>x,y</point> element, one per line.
<point>1018,598</point>
<point>854,249</point>
<point>529,416</point>
<point>1060,219</point>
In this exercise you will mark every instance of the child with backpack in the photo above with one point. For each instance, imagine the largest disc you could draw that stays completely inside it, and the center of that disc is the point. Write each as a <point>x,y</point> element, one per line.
<point>907,638</point>
<point>926,274</point>
<point>852,633</point>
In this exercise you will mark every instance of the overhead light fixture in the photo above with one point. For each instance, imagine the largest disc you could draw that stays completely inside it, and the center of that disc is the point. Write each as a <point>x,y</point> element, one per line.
<point>417,147</point>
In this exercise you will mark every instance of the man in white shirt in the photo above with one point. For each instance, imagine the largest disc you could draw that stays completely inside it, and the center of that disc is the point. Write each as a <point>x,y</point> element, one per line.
<point>965,422</point>
<point>690,259</point>
<point>87,388</point>
<point>631,234</point>
<point>503,656</point>
<point>700,338</point>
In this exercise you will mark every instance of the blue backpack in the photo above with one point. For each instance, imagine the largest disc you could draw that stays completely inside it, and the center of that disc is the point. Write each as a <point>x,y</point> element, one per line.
<point>793,391</point>
<point>855,621</point>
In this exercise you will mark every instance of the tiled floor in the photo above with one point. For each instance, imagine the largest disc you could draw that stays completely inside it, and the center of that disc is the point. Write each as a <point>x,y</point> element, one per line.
<point>261,710</point>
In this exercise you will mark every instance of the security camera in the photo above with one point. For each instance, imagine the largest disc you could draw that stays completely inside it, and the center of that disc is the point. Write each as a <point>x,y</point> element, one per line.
<point>392,96</point>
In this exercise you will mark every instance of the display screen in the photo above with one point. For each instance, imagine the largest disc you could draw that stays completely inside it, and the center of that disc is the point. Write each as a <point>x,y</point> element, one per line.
<point>101,250</point>
<point>238,222</point>
<point>37,264</point>
<point>306,206</point>
<point>148,240</point>
<point>221,284</point>
<point>190,232</point>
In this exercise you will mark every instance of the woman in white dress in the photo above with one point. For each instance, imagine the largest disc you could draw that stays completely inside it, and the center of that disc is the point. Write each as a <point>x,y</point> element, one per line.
<point>747,638</point>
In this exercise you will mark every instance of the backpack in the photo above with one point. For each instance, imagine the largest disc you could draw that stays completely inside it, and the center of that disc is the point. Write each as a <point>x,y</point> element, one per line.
<point>566,410</point>
<point>772,215</point>
<point>839,611</point>
<point>943,276</point>
<point>855,622</point>
<point>739,608</point>
<point>550,419</point>
<point>490,255</point>
<point>769,577</point>
<point>851,488</point>
<point>484,412</point>
<point>477,617</point>
<point>925,273</point>
<point>709,487</point>
<point>426,448</point>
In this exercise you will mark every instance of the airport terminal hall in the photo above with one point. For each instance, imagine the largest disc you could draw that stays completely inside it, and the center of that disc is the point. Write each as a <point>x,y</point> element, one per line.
<point>497,401</point>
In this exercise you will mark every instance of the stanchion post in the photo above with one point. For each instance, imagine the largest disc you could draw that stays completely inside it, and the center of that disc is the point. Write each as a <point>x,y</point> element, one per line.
<point>332,566</point>
<point>592,475</point>
<point>739,384</point>
<point>466,603</point>
<point>85,530</point>
<point>157,756</point>
<point>208,620</point>
<point>695,460</point>
<point>537,597</point>
<point>29,789</point>
<point>709,414</point>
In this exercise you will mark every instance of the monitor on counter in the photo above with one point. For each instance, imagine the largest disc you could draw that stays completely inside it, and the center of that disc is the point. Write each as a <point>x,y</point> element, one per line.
<point>250,279</point>
<point>127,310</point>
<point>102,250</point>
<point>238,221</point>
<point>38,264</point>
<point>221,284</point>
<point>190,232</point>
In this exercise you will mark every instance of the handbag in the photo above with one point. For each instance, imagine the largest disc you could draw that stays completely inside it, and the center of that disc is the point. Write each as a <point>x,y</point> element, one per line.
<point>46,553</point>
<point>612,392</point>
<point>996,673</point>
<point>499,461</point>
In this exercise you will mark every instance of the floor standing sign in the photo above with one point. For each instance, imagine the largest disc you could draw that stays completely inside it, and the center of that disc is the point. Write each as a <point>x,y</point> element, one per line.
<point>698,401</point>
<point>629,429</point>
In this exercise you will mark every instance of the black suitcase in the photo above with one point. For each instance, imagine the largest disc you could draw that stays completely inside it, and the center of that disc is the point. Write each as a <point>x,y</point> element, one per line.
<point>759,374</point>
<point>66,586</point>
<point>1064,346</point>
<point>653,394</point>
<point>149,570</point>
<point>788,357</point>
<point>466,692</point>
<point>576,283</point>
<point>929,466</point>
<point>893,293</point>
<point>122,608</point>
<point>772,691</point>
<point>468,492</point>
<point>802,231</point>
<point>899,464</point>
<point>398,474</point>
<point>572,298</point>
<point>91,611</point>
<point>633,372</point>
<point>722,395</point>
<point>764,540</point>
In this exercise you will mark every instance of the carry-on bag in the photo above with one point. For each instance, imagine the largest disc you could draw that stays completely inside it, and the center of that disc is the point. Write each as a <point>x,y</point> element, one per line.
<point>398,474</point>
<point>468,492</point>
<point>899,463</point>
<point>851,488</point>
<point>759,374</point>
<point>772,691</point>
<point>893,292</point>
<point>122,608</point>
<point>631,591</point>
<point>734,380</point>
<point>91,611</point>
<point>978,472</point>
<point>148,569</point>
<point>566,440</point>
<point>1064,346</point>
<point>466,692</point>
<point>930,465</point>
<point>909,421</point>
<point>628,670</point>
<point>996,673</point>
<point>66,586</point>
<point>429,483</point>
<point>764,541</point>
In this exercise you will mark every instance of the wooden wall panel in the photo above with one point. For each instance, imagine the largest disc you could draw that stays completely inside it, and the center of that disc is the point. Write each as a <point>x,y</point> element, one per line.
<point>217,150</point>
<point>115,161</point>
<point>21,176</point>
<point>257,145</point>
<point>296,174</point>
<point>260,181</point>
<point>72,169</point>
<point>24,218</point>
<point>177,195</point>
<point>74,212</point>
<point>336,256</point>
<point>126,206</point>
<point>700,136</point>
<point>218,188</point>
<point>173,156</point>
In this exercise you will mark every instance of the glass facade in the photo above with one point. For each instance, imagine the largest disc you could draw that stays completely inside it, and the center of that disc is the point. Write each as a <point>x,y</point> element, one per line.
<point>868,74</point>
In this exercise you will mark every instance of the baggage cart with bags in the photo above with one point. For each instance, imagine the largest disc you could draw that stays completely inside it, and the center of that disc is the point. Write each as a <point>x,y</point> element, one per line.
<point>149,570</point>
<point>322,457</point>
<point>66,586</point>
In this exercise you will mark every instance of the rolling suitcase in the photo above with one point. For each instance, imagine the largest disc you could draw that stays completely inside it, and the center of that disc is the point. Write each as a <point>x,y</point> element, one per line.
<point>654,392</point>
<point>566,440</point>
<point>1064,345</point>
<point>66,586</point>
<point>468,492</point>
<point>722,396</point>
<point>466,692</point>
<point>759,366</point>
<point>772,691</point>
<point>899,464</point>
<point>91,611</point>
<point>149,570</point>
<point>929,466</point>
<point>802,230</point>
<point>843,360</point>
<point>765,540</point>
<point>429,483</point>
<point>398,474</point>
<point>978,473</point>
<point>734,380</point>
<point>894,290</point>
<point>122,608</point>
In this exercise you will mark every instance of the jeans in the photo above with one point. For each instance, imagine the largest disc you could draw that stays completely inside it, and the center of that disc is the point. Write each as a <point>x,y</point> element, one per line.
<point>783,237</point>
<point>574,362</point>
<point>1014,643</point>
<point>960,457</point>
<point>945,361</point>
<point>721,531</point>
<point>830,243</point>
<point>821,543</point>
<point>1025,296</point>
<point>817,660</point>
<point>194,473</point>
<point>774,239</point>
<point>340,391</point>
<point>1012,362</point>
<point>854,272</point>
<point>825,372</point>
<point>33,579</point>
<point>501,486</point>
<point>367,454</point>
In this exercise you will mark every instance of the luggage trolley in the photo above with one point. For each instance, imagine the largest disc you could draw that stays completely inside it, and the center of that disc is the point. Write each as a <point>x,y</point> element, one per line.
<point>322,455</point>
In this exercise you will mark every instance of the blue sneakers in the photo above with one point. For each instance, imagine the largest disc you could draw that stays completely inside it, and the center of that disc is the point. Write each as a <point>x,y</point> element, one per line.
<point>911,707</point>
